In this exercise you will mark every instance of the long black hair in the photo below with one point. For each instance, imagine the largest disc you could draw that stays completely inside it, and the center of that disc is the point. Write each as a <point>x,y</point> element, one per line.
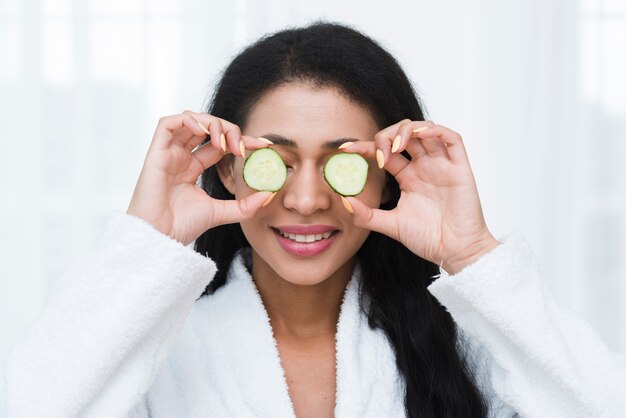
<point>423,335</point>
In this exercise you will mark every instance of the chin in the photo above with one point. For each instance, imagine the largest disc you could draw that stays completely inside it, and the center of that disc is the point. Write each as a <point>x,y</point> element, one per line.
<point>304,275</point>
<point>301,271</point>
<point>305,280</point>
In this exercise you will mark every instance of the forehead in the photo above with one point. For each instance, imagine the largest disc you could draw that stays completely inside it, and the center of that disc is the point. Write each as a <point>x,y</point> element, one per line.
<point>309,116</point>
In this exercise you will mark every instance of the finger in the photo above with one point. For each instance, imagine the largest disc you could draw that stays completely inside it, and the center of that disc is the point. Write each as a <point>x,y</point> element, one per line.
<point>415,149</point>
<point>396,163</point>
<point>175,128</point>
<point>207,155</point>
<point>407,139</point>
<point>367,149</point>
<point>377,220</point>
<point>230,137</point>
<point>435,147</point>
<point>253,143</point>
<point>439,136</point>
<point>232,211</point>
<point>405,133</point>
<point>384,140</point>
<point>233,138</point>
<point>193,126</point>
<point>212,127</point>
<point>218,139</point>
<point>199,118</point>
<point>250,143</point>
<point>203,120</point>
<point>202,126</point>
<point>391,130</point>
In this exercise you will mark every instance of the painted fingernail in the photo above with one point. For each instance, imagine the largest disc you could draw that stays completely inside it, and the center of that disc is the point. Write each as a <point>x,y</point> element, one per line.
<point>396,143</point>
<point>347,204</point>
<point>206,131</point>
<point>223,141</point>
<point>422,129</point>
<point>242,149</point>
<point>345,145</point>
<point>269,199</point>
<point>380,158</point>
<point>267,141</point>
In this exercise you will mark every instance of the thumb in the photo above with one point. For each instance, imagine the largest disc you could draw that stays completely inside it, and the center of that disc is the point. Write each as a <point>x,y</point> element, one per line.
<point>233,211</point>
<point>377,220</point>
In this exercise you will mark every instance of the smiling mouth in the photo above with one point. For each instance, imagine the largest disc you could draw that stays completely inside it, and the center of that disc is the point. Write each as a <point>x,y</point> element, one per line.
<point>305,238</point>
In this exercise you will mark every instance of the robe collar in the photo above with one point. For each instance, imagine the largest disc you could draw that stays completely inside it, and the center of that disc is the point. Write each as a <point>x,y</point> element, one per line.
<point>368,383</point>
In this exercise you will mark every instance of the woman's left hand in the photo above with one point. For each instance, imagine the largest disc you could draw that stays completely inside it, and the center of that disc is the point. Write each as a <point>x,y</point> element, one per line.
<point>438,216</point>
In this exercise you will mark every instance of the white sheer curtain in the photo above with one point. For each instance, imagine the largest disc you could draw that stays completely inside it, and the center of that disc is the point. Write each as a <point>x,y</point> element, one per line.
<point>536,88</point>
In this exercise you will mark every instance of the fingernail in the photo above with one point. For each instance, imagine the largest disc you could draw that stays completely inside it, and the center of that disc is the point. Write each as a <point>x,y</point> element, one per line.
<point>206,131</point>
<point>242,149</point>
<point>396,143</point>
<point>422,129</point>
<point>347,205</point>
<point>269,199</point>
<point>267,141</point>
<point>380,158</point>
<point>223,141</point>
<point>345,145</point>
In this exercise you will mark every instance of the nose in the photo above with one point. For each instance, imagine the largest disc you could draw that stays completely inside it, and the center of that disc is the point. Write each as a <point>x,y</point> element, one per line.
<point>306,192</point>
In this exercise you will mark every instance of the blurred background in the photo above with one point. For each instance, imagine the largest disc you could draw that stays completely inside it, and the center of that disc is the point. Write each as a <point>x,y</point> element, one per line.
<point>537,89</point>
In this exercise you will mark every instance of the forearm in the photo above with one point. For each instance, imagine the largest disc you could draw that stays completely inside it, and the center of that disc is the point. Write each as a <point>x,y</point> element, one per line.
<point>117,309</point>
<point>544,360</point>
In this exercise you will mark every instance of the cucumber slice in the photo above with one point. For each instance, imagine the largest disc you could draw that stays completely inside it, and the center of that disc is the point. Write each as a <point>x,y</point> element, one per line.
<point>346,173</point>
<point>264,170</point>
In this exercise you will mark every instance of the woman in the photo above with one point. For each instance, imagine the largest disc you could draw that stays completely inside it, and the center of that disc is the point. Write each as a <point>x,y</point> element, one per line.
<point>320,304</point>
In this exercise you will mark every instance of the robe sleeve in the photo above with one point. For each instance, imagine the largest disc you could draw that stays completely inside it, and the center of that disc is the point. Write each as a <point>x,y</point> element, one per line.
<point>97,346</point>
<point>535,358</point>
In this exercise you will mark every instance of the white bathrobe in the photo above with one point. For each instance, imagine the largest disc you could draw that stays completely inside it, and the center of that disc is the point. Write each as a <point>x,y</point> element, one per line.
<point>124,336</point>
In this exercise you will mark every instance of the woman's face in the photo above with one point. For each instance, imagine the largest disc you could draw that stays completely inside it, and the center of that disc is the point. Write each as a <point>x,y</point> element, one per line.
<point>307,124</point>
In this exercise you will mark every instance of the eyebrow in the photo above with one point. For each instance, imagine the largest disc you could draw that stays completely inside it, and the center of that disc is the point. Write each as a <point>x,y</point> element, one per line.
<point>288,142</point>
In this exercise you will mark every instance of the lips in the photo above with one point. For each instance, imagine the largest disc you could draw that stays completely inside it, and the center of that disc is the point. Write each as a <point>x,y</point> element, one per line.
<point>305,240</point>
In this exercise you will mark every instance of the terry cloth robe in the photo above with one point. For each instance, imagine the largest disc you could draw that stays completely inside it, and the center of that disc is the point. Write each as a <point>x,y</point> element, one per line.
<point>125,335</point>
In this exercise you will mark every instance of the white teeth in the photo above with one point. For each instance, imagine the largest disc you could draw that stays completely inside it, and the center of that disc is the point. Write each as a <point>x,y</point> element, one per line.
<point>306,238</point>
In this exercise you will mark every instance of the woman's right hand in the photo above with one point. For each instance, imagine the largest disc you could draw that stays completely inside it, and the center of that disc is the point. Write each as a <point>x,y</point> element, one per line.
<point>166,194</point>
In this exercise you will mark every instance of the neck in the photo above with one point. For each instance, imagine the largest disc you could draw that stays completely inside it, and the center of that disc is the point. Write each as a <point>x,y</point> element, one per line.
<point>301,311</point>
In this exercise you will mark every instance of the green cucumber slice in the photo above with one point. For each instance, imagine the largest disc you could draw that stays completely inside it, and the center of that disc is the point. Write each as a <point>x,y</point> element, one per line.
<point>264,170</point>
<point>346,173</point>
